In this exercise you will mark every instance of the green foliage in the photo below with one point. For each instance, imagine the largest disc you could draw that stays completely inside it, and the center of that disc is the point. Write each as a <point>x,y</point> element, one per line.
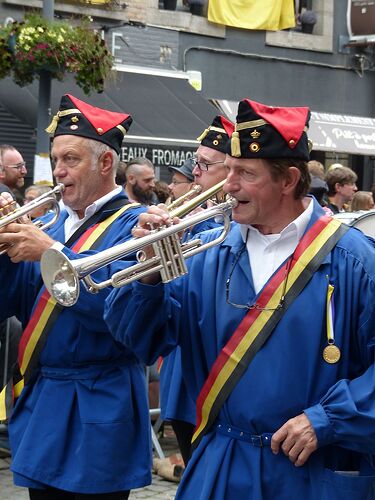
<point>35,44</point>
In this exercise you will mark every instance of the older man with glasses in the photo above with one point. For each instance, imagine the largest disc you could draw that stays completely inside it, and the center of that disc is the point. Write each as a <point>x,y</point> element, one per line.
<point>12,167</point>
<point>276,325</point>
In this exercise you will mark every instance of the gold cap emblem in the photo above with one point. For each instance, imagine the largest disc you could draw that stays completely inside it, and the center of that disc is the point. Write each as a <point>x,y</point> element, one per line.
<point>254,147</point>
<point>255,134</point>
<point>74,119</point>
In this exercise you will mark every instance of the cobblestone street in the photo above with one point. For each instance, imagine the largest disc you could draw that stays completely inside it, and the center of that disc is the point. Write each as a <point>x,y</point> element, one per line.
<point>160,489</point>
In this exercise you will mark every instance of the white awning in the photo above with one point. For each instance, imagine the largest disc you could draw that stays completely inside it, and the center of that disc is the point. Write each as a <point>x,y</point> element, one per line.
<point>328,131</point>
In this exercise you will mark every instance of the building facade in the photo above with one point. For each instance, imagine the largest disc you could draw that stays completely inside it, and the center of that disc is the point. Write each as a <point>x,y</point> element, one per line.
<point>320,66</point>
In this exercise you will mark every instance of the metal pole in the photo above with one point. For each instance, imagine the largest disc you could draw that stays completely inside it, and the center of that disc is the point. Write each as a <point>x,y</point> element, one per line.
<point>44,98</point>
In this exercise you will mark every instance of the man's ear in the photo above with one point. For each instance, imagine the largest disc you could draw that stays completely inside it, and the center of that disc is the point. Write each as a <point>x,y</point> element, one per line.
<point>291,179</point>
<point>106,163</point>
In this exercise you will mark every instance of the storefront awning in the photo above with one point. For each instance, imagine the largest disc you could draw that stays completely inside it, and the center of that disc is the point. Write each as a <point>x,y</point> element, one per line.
<point>165,109</point>
<point>330,132</point>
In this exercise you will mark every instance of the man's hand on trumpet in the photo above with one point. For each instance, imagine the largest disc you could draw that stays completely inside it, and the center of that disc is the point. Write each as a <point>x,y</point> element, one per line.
<point>21,241</point>
<point>157,216</point>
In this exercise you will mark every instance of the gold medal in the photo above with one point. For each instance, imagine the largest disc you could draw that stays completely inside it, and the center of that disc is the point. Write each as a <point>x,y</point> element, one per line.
<point>331,354</point>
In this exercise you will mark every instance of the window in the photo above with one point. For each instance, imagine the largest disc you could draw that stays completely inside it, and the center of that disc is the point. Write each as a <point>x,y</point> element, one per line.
<point>321,38</point>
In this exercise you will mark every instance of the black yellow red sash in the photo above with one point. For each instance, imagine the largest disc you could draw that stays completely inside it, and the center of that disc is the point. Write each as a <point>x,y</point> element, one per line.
<point>46,312</point>
<point>258,324</point>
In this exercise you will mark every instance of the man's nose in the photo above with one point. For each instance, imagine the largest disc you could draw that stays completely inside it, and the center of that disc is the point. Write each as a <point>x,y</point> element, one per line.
<point>197,171</point>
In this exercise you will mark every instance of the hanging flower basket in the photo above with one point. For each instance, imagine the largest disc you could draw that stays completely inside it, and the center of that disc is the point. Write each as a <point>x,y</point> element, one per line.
<point>35,45</point>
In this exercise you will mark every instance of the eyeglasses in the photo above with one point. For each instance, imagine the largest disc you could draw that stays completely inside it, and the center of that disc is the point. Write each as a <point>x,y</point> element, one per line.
<point>256,306</point>
<point>180,182</point>
<point>18,166</point>
<point>202,165</point>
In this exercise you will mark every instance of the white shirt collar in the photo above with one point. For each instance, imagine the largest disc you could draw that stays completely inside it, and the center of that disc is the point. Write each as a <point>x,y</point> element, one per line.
<point>295,228</point>
<point>73,222</point>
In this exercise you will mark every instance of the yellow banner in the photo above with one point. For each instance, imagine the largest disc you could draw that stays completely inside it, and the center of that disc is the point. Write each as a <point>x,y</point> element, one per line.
<point>270,15</point>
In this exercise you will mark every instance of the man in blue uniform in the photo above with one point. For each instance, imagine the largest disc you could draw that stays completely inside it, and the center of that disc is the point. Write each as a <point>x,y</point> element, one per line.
<point>176,404</point>
<point>276,326</point>
<point>80,428</point>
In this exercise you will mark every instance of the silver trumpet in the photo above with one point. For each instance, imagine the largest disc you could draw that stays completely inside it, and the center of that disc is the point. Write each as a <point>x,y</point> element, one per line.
<point>42,200</point>
<point>62,276</point>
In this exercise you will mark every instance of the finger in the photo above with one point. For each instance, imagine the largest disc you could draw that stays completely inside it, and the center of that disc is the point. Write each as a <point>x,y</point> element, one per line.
<point>278,437</point>
<point>294,451</point>
<point>303,457</point>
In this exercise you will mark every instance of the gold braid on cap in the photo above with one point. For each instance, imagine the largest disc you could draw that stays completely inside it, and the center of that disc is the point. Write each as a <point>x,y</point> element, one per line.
<point>209,129</point>
<point>55,120</point>
<point>235,144</point>
<point>235,140</point>
<point>203,135</point>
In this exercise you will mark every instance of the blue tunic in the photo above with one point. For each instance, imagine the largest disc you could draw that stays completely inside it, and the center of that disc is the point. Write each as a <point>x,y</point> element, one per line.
<point>175,401</point>
<point>82,424</point>
<point>288,375</point>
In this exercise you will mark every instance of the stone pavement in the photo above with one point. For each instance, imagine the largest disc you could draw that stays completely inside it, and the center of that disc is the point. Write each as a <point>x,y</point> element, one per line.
<point>160,489</point>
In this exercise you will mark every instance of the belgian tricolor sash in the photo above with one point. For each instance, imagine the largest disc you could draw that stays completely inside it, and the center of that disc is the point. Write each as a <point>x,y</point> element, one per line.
<point>45,314</point>
<point>259,322</point>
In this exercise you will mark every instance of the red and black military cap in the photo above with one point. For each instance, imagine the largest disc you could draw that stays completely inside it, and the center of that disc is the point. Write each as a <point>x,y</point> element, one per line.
<point>270,132</point>
<point>76,117</point>
<point>217,135</point>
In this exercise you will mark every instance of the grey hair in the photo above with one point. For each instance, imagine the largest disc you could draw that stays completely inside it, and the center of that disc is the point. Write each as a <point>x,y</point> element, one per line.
<point>98,148</point>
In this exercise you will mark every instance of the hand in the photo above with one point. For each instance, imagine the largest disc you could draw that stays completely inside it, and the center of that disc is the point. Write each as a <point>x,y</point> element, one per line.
<point>155,217</point>
<point>297,440</point>
<point>24,242</point>
<point>7,203</point>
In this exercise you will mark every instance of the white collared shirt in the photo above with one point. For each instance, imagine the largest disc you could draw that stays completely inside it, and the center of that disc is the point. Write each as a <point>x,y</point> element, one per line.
<point>268,251</point>
<point>73,222</point>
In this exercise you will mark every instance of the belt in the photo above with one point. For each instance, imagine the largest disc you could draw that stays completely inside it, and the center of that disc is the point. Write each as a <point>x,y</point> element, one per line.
<point>259,441</point>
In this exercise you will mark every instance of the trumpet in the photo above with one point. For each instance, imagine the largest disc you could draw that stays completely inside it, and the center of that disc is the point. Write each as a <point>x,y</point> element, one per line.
<point>62,276</point>
<point>187,207</point>
<point>179,201</point>
<point>42,200</point>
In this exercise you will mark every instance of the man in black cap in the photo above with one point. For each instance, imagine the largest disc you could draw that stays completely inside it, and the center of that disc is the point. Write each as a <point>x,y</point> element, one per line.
<point>182,179</point>
<point>80,428</point>
<point>276,325</point>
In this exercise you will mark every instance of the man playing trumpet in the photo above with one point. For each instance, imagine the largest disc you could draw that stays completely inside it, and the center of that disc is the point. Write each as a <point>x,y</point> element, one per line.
<point>276,326</point>
<point>80,425</point>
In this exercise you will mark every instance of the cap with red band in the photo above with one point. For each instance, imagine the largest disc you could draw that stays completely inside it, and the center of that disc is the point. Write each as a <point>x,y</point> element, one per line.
<point>217,135</point>
<point>76,117</point>
<point>270,132</point>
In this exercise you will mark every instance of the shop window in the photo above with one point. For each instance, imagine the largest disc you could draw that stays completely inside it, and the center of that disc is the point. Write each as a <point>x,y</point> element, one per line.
<point>314,27</point>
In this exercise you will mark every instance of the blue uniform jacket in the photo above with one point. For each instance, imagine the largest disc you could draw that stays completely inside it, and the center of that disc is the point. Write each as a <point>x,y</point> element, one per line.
<point>82,424</point>
<point>288,375</point>
<point>175,401</point>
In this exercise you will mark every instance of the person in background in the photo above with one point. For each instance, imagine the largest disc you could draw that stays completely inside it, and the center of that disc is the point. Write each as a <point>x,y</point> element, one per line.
<point>12,167</point>
<point>80,427</point>
<point>362,200</point>
<point>162,192</point>
<point>33,192</point>
<point>182,179</point>
<point>318,186</point>
<point>12,174</point>
<point>140,181</point>
<point>121,174</point>
<point>276,326</point>
<point>316,169</point>
<point>341,182</point>
<point>177,406</point>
